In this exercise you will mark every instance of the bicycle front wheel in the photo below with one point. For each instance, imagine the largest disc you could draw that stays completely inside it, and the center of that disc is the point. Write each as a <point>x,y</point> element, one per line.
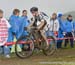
<point>27,47</point>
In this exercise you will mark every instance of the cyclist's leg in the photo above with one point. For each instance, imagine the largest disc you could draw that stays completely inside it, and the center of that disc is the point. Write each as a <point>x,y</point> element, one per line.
<point>44,36</point>
<point>50,33</point>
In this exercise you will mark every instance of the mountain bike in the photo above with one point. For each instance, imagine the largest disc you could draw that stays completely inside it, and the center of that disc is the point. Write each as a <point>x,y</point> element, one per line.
<point>33,40</point>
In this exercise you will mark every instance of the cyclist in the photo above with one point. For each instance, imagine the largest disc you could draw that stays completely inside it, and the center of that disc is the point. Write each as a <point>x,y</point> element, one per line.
<point>38,21</point>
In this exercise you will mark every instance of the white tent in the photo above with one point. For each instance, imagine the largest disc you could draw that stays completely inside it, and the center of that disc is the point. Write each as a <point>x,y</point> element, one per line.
<point>47,6</point>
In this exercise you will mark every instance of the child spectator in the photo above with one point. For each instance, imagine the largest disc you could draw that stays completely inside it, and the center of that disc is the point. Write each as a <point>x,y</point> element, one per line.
<point>14,31</point>
<point>4,26</point>
<point>15,22</point>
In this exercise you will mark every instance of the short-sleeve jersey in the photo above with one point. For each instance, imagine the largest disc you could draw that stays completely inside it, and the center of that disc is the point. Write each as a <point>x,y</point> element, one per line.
<point>38,19</point>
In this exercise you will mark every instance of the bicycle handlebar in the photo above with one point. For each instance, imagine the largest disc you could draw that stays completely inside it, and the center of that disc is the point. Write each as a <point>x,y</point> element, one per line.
<point>33,28</point>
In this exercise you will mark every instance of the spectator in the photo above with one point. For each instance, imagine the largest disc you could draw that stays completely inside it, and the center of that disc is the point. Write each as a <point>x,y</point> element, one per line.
<point>24,15</point>
<point>68,31</point>
<point>14,31</point>
<point>53,26</point>
<point>25,22</point>
<point>15,22</point>
<point>4,26</point>
<point>60,32</point>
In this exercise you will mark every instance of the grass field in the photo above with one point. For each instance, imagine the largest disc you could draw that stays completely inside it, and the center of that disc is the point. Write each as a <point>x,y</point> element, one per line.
<point>60,57</point>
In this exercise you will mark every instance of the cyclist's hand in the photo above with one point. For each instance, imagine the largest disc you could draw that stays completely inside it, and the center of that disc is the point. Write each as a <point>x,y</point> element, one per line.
<point>28,28</point>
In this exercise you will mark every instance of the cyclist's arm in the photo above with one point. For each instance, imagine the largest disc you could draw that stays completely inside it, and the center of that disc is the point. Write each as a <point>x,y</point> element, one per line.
<point>31,23</point>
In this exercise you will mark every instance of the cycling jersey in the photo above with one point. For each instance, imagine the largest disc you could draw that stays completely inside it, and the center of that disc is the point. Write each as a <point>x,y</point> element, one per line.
<point>38,19</point>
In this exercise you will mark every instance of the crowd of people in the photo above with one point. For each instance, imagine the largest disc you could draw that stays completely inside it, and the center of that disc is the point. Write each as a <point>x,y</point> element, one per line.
<point>57,26</point>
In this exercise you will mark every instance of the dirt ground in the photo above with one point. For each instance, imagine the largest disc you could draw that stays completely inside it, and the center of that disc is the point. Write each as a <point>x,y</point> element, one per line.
<point>60,57</point>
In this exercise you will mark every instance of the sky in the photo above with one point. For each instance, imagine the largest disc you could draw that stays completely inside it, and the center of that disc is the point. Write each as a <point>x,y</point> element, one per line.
<point>47,6</point>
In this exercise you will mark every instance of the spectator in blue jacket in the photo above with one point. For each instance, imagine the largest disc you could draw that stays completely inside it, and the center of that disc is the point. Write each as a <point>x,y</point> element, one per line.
<point>25,22</point>
<point>15,22</point>
<point>68,31</point>
<point>60,32</point>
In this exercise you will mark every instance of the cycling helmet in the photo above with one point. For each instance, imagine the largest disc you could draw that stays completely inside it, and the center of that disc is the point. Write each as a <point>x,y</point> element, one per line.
<point>33,9</point>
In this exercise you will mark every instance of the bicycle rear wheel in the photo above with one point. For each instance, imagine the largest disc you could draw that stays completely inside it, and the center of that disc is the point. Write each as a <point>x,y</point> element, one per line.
<point>51,48</point>
<point>27,47</point>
